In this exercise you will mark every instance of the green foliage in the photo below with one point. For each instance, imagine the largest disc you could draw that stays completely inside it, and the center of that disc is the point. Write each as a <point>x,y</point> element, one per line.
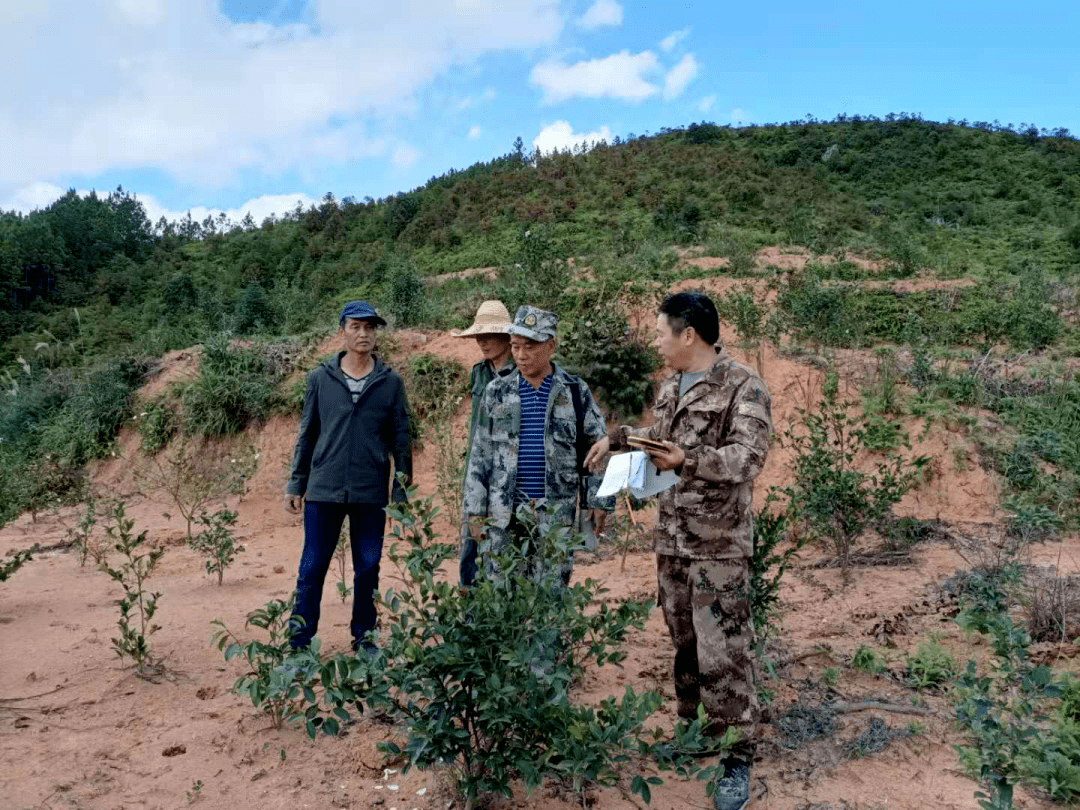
<point>930,666</point>
<point>867,660</point>
<point>235,386</point>
<point>833,499</point>
<point>89,419</point>
<point>157,423</point>
<point>768,563</point>
<point>480,676</point>
<point>277,677</point>
<point>137,606</point>
<point>407,294</point>
<point>83,535</point>
<point>436,386</point>
<point>17,560</point>
<point>253,311</point>
<point>341,560</point>
<point>216,542</point>
<point>614,358</point>
<point>1003,710</point>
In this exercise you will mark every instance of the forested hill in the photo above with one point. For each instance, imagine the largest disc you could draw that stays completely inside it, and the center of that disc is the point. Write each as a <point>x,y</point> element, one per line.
<point>953,197</point>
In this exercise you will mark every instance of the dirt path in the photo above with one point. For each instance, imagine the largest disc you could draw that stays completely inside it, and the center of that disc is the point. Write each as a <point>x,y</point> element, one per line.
<point>78,730</point>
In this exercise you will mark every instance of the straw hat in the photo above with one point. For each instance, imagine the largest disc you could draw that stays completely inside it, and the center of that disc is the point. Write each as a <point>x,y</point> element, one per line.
<point>491,319</point>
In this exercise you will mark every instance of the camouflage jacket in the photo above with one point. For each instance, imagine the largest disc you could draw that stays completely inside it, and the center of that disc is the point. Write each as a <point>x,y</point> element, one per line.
<point>482,374</point>
<point>491,477</point>
<point>722,423</point>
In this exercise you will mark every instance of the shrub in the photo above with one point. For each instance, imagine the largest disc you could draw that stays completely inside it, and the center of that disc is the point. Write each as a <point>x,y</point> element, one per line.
<point>192,477</point>
<point>84,428</point>
<point>768,564</point>
<point>930,666</point>
<point>235,386</point>
<point>216,542</point>
<point>157,423</point>
<point>613,357</point>
<point>480,676</point>
<point>276,677</point>
<point>833,499</point>
<point>137,606</point>
<point>436,386</point>
<point>867,660</point>
<point>407,294</point>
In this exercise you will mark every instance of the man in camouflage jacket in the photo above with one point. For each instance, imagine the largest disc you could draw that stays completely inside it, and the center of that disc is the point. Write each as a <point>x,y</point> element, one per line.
<point>493,492</point>
<point>713,415</point>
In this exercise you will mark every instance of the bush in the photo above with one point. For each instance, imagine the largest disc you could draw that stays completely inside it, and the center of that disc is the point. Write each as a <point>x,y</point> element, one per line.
<point>407,294</point>
<point>614,358</point>
<point>86,424</point>
<point>157,423</point>
<point>16,560</point>
<point>216,542</point>
<point>480,677</point>
<point>235,386</point>
<point>436,386</point>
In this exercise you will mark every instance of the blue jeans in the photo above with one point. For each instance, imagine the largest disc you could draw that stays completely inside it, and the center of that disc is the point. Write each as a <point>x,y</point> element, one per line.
<point>322,525</point>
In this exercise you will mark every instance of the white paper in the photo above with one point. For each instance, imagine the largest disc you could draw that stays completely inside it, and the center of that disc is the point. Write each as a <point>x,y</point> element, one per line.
<point>635,473</point>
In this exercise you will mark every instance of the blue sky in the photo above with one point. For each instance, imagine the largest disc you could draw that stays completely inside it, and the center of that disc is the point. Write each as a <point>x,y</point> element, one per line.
<point>204,106</point>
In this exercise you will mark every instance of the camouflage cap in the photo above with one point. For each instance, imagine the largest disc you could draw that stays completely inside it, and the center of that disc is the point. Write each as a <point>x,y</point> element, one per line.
<point>535,324</point>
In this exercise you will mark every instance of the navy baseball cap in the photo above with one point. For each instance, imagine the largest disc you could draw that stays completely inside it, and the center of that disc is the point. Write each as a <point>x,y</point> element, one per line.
<point>361,310</point>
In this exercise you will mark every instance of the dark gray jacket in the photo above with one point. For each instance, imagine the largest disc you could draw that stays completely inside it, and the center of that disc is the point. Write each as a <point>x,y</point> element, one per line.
<point>343,451</point>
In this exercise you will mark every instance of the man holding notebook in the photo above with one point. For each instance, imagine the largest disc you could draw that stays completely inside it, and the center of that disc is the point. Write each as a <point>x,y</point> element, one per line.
<point>712,429</point>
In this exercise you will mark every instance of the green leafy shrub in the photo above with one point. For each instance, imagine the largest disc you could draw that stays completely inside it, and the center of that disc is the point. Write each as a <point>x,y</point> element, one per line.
<point>137,606</point>
<point>833,499</point>
<point>480,677</point>
<point>614,358</point>
<point>407,294</point>
<point>436,386</point>
<point>157,423</point>
<point>277,681</point>
<point>85,426</point>
<point>192,476</point>
<point>930,667</point>
<point>216,542</point>
<point>768,563</point>
<point>235,386</point>
<point>867,660</point>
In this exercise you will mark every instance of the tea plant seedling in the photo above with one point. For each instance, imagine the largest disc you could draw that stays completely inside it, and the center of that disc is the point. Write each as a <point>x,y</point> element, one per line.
<point>216,542</point>
<point>195,792</point>
<point>831,676</point>
<point>274,681</point>
<point>83,534</point>
<point>191,478</point>
<point>137,606</point>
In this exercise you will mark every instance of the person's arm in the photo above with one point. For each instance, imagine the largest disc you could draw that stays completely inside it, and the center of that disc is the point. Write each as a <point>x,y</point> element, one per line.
<point>743,455</point>
<point>402,442</point>
<point>478,472</point>
<point>305,447</point>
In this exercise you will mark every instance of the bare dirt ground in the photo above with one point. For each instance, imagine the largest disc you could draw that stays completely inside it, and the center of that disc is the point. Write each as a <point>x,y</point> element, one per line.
<point>79,730</point>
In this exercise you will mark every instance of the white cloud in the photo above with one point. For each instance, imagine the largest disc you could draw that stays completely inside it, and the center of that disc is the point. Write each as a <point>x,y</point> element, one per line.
<point>706,104</point>
<point>669,42</point>
<point>740,116</point>
<point>404,156</point>
<point>474,133</point>
<point>561,136</point>
<point>39,195</point>
<point>621,75</point>
<point>676,79</point>
<point>175,86</point>
<point>601,13</point>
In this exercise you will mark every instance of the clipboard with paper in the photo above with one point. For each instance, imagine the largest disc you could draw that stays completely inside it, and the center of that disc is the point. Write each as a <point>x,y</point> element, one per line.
<point>636,474</point>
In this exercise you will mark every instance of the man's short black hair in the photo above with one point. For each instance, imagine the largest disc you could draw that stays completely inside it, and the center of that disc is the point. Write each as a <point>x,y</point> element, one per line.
<point>692,309</point>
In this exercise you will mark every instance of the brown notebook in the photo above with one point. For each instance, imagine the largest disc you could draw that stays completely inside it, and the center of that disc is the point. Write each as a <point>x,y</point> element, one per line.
<point>645,444</point>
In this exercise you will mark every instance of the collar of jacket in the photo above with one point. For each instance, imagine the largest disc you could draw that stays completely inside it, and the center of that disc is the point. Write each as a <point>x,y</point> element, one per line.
<point>716,374</point>
<point>333,368</point>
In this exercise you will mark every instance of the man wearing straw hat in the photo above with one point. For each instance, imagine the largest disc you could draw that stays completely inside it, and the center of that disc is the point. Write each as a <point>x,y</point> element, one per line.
<point>491,329</point>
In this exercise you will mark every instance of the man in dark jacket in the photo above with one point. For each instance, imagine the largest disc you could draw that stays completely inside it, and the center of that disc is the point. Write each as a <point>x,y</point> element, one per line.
<point>356,417</point>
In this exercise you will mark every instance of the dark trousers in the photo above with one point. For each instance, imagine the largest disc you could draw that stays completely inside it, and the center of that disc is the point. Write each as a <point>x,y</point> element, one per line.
<point>322,526</point>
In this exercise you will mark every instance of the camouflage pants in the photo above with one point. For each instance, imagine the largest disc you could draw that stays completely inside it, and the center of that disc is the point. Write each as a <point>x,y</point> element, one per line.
<point>706,606</point>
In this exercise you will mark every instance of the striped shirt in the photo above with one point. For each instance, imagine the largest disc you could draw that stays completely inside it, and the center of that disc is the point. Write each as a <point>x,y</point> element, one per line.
<point>530,466</point>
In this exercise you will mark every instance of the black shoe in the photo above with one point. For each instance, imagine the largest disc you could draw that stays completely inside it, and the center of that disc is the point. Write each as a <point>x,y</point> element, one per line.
<point>732,790</point>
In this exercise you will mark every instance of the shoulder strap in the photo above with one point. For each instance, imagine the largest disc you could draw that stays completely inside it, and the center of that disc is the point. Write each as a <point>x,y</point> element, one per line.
<point>581,441</point>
